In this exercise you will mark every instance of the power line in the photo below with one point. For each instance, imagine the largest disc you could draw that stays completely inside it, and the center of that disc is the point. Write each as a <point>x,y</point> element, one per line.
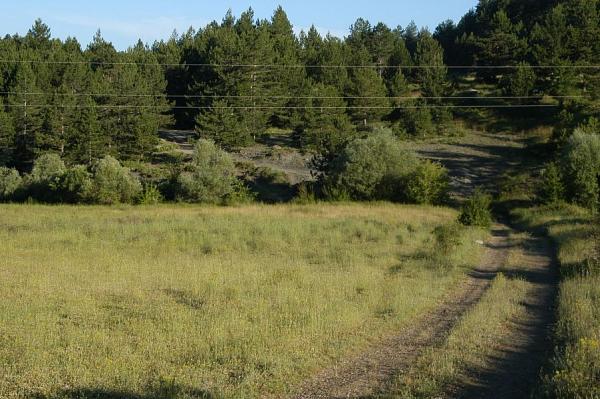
<point>277,107</point>
<point>297,66</point>
<point>211,96</point>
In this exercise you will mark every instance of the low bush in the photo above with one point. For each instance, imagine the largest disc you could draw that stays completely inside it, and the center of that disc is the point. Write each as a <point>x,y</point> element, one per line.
<point>10,182</point>
<point>552,190</point>
<point>76,185</point>
<point>372,168</point>
<point>581,162</point>
<point>305,194</point>
<point>151,195</point>
<point>113,183</point>
<point>477,210</point>
<point>44,182</point>
<point>211,178</point>
<point>428,184</point>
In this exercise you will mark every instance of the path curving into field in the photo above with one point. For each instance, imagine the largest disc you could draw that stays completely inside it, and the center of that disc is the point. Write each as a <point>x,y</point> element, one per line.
<point>370,372</point>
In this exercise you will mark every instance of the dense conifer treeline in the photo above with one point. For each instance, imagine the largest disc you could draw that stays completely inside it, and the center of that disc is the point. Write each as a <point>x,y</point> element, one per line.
<point>232,79</point>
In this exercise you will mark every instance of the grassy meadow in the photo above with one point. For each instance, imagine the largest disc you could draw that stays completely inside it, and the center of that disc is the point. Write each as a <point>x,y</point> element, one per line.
<point>575,368</point>
<point>187,302</point>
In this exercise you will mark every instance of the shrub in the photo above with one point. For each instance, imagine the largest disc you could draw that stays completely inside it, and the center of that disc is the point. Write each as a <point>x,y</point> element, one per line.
<point>241,194</point>
<point>419,121</point>
<point>151,195</point>
<point>212,176</point>
<point>428,184</point>
<point>305,194</point>
<point>582,168</point>
<point>552,189</point>
<point>47,168</point>
<point>113,183</point>
<point>44,181</point>
<point>76,185</point>
<point>477,210</point>
<point>10,182</point>
<point>372,168</point>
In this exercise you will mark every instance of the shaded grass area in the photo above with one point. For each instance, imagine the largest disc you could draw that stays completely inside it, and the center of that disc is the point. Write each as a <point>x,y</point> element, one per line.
<point>575,368</point>
<point>468,351</point>
<point>200,302</point>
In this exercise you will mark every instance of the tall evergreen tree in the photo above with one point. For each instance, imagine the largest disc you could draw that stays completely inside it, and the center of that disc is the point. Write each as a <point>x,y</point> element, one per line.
<point>7,137</point>
<point>430,57</point>
<point>86,142</point>
<point>223,125</point>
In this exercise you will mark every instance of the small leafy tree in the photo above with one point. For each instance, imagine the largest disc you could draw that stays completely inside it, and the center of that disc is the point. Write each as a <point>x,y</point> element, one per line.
<point>10,182</point>
<point>582,168</point>
<point>552,189</point>
<point>76,185</point>
<point>372,168</point>
<point>47,168</point>
<point>113,183</point>
<point>211,178</point>
<point>428,184</point>
<point>44,181</point>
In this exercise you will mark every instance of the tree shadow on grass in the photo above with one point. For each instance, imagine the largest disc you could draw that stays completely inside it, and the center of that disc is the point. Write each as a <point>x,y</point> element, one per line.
<point>171,392</point>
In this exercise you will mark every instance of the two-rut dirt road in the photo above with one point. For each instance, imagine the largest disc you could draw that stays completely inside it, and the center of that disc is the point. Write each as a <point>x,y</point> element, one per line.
<point>513,370</point>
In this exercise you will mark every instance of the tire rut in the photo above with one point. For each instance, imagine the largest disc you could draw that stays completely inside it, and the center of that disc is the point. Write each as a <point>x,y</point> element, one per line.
<point>371,372</point>
<point>513,370</point>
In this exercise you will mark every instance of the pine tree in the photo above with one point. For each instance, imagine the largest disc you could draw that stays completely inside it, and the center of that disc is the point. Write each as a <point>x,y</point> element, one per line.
<point>520,83</point>
<point>7,137</point>
<point>367,93</point>
<point>430,56</point>
<point>86,142</point>
<point>222,125</point>
<point>324,126</point>
<point>500,44</point>
<point>411,36</point>
<point>398,88</point>
<point>287,77</point>
<point>25,114</point>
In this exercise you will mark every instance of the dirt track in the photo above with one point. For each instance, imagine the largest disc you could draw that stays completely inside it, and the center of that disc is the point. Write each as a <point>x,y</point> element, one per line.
<point>512,372</point>
<point>369,373</point>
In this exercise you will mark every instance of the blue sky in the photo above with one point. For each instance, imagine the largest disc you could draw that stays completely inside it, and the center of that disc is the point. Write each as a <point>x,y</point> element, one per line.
<point>124,21</point>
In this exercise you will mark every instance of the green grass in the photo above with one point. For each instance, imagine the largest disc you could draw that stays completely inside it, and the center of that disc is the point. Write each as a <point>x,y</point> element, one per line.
<point>188,302</point>
<point>471,343</point>
<point>575,369</point>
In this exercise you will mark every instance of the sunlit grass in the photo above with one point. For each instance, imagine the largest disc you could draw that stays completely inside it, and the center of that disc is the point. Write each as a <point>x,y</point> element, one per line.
<point>176,301</point>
